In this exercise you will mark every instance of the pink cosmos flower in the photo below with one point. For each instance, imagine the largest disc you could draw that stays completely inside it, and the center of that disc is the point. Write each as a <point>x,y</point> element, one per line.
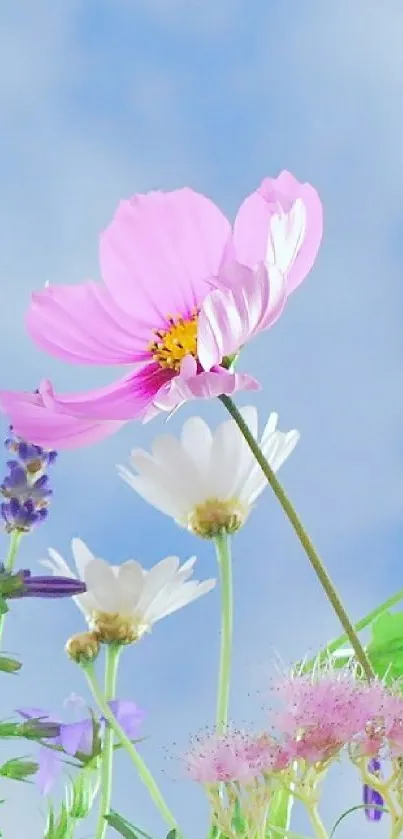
<point>326,712</point>
<point>182,293</point>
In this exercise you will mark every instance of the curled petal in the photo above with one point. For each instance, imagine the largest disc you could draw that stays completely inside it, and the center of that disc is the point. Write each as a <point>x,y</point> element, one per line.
<point>230,317</point>
<point>256,231</point>
<point>203,385</point>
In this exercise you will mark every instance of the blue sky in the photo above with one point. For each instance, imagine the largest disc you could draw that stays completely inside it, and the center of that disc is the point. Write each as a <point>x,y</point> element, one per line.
<point>103,99</point>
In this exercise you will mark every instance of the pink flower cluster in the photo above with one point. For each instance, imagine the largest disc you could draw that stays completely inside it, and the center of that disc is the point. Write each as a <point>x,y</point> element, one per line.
<point>321,716</point>
<point>233,756</point>
<point>182,293</point>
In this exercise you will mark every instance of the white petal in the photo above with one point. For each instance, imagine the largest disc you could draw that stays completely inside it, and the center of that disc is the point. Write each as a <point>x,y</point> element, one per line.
<point>225,460</point>
<point>186,594</point>
<point>287,443</point>
<point>180,477</point>
<point>131,581</point>
<point>57,564</point>
<point>103,585</point>
<point>157,579</point>
<point>153,493</point>
<point>286,237</point>
<point>196,440</point>
<point>250,416</point>
<point>82,556</point>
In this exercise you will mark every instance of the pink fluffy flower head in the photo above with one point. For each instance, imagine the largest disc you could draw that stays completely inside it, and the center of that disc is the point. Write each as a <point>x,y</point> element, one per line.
<point>324,712</point>
<point>182,292</point>
<point>233,756</point>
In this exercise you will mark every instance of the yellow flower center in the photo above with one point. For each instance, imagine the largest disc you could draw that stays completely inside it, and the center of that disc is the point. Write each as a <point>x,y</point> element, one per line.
<point>174,343</point>
<point>212,516</point>
<point>114,628</point>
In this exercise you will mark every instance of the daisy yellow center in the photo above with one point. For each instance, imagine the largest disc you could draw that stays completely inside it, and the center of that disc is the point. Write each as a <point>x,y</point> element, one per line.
<point>175,342</point>
<point>114,628</point>
<point>212,516</point>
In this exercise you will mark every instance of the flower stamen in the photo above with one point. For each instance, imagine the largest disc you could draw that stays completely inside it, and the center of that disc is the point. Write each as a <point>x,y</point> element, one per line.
<point>176,342</point>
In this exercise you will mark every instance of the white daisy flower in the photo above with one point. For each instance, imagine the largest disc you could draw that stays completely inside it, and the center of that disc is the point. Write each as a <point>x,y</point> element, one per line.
<point>208,482</point>
<point>122,602</point>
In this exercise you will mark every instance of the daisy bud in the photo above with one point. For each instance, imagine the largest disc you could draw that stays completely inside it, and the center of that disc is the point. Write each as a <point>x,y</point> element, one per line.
<point>83,648</point>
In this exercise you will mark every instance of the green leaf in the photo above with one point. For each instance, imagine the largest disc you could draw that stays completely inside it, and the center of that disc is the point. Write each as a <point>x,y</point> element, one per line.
<point>173,834</point>
<point>123,826</point>
<point>61,828</point>
<point>368,620</point>
<point>18,768</point>
<point>3,606</point>
<point>279,814</point>
<point>9,665</point>
<point>385,649</point>
<point>352,810</point>
<point>238,822</point>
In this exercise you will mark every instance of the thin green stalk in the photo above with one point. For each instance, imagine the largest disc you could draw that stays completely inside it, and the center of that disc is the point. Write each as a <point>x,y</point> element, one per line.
<point>317,823</point>
<point>303,537</point>
<point>111,669</point>
<point>15,539</point>
<point>223,550</point>
<point>361,624</point>
<point>138,761</point>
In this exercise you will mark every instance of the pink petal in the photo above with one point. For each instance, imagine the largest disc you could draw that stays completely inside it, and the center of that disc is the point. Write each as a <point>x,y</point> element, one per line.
<point>252,224</point>
<point>203,385</point>
<point>35,422</point>
<point>160,253</point>
<point>125,399</point>
<point>83,324</point>
<point>230,317</point>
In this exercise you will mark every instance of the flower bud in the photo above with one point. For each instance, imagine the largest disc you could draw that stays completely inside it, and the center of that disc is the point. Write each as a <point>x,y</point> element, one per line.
<point>83,648</point>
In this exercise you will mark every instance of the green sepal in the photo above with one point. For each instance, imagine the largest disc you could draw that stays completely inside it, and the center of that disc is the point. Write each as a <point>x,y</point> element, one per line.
<point>61,827</point>
<point>125,828</point>
<point>18,768</point>
<point>9,665</point>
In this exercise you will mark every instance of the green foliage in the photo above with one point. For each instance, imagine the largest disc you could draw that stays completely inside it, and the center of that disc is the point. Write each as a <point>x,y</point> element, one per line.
<point>128,830</point>
<point>9,665</point>
<point>385,649</point>
<point>280,811</point>
<point>18,768</point>
<point>61,827</point>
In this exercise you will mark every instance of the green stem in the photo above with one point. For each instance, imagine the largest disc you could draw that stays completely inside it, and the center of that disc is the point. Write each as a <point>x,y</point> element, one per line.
<point>141,767</point>
<point>14,544</point>
<point>222,544</point>
<point>111,669</point>
<point>361,624</point>
<point>303,537</point>
<point>317,823</point>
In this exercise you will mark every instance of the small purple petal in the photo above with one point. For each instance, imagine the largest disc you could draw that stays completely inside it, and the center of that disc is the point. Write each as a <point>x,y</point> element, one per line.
<point>371,797</point>
<point>128,715</point>
<point>49,586</point>
<point>76,737</point>
<point>49,769</point>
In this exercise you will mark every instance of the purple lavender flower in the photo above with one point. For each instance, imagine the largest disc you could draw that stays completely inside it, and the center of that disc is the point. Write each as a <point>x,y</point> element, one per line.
<point>24,584</point>
<point>26,486</point>
<point>371,797</point>
<point>82,739</point>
